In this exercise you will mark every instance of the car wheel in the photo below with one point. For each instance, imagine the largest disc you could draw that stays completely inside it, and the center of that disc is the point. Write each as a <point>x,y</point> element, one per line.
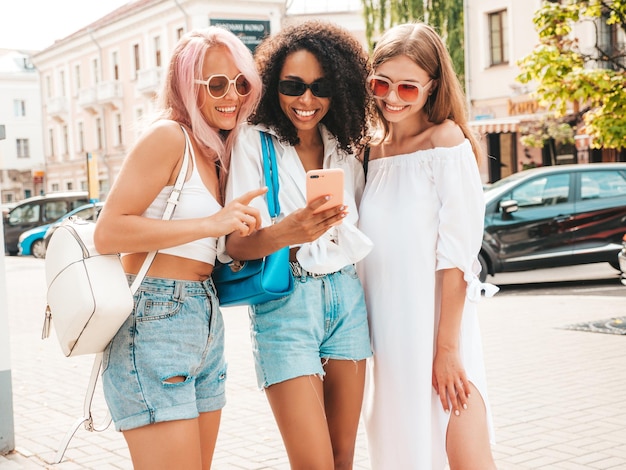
<point>38,248</point>
<point>483,268</point>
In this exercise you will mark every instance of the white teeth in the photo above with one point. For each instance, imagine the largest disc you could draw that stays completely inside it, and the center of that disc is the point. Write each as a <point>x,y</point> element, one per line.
<point>393,108</point>
<point>303,113</point>
<point>230,109</point>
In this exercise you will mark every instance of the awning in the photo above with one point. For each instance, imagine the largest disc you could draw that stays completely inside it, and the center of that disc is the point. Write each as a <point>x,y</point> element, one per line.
<point>494,126</point>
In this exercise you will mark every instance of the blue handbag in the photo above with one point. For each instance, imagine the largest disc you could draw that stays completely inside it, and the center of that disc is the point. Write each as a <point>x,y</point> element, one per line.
<point>259,280</point>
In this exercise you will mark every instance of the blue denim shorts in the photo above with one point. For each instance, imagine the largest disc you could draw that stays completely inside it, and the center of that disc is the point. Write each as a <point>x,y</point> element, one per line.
<point>323,318</point>
<point>175,330</point>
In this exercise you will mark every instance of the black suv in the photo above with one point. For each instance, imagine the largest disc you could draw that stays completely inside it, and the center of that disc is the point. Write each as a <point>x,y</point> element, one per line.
<point>554,216</point>
<point>38,210</point>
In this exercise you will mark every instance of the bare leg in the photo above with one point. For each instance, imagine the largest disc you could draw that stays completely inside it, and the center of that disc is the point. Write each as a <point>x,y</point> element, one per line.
<point>209,425</point>
<point>298,406</point>
<point>467,442</point>
<point>166,445</point>
<point>343,396</point>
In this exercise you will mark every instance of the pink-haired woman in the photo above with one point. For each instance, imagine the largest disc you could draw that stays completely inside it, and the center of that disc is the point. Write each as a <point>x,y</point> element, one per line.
<point>164,371</point>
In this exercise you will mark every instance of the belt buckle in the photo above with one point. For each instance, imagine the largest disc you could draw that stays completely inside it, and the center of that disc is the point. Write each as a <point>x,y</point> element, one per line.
<point>315,275</point>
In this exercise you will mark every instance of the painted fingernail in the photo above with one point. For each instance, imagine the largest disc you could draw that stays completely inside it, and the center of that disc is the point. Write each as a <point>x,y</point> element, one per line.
<point>456,412</point>
<point>447,411</point>
<point>465,406</point>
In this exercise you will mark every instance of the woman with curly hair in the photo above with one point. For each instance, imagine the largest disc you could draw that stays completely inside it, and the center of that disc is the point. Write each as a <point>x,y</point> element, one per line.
<point>310,346</point>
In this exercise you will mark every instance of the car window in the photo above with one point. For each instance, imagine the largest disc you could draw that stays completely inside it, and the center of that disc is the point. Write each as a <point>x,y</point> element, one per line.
<point>25,214</point>
<point>53,210</point>
<point>602,184</point>
<point>88,213</point>
<point>543,191</point>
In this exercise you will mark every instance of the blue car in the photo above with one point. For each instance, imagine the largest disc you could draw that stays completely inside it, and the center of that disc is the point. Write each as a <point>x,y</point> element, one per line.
<point>33,242</point>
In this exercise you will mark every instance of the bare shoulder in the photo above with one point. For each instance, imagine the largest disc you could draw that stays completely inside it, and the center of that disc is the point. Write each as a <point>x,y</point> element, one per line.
<point>447,134</point>
<point>163,140</point>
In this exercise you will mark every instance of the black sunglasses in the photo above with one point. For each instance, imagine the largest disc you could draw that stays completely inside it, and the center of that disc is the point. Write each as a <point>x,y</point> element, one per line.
<point>320,88</point>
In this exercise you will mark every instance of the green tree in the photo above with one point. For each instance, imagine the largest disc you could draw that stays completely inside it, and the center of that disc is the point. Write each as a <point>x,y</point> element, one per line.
<point>446,16</point>
<point>592,79</point>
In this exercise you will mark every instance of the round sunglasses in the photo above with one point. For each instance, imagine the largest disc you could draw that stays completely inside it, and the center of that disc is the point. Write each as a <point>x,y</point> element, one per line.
<point>407,92</point>
<point>218,86</point>
<point>319,88</point>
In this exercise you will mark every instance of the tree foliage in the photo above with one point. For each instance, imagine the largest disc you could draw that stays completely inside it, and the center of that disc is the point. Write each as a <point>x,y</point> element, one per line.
<point>446,16</point>
<point>592,79</point>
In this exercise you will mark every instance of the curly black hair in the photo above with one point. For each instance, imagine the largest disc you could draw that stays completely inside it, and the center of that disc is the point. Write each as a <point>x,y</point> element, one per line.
<point>345,64</point>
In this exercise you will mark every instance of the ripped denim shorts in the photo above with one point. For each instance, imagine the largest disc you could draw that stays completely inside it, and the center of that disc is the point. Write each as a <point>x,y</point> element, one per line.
<point>167,361</point>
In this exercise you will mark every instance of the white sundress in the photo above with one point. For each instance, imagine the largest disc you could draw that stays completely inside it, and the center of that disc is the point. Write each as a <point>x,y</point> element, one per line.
<point>424,212</point>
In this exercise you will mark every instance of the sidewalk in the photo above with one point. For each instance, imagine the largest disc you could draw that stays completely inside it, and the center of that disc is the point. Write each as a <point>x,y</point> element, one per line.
<point>557,395</point>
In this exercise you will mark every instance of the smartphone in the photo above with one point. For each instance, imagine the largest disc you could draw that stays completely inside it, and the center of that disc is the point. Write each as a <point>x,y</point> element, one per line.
<point>325,182</point>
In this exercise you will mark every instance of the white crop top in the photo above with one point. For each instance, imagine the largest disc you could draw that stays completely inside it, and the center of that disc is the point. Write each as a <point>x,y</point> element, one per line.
<point>195,201</point>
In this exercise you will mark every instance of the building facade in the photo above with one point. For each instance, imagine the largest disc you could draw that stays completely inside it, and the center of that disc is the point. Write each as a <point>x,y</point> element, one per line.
<point>498,33</point>
<point>21,149</point>
<point>98,85</point>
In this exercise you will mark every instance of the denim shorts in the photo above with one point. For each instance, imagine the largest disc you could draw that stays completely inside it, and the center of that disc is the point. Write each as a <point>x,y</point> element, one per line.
<point>323,318</point>
<point>175,330</point>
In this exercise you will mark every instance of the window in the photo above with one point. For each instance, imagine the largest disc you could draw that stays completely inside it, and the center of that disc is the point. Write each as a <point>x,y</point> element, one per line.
<point>542,191</point>
<point>48,86</point>
<point>77,82</point>
<point>136,59</point>
<point>19,108</point>
<point>81,137</point>
<point>116,66</point>
<point>179,33</point>
<point>69,186</point>
<point>51,141</point>
<point>498,38</point>
<point>61,83</point>
<point>602,185</point>
<point>95,70</point>
<point>119,139</point>
<point>99,133</point>
<point>157,51</point>
<point>66,146</point>
<point>22,148</point>
<point>55,186</point>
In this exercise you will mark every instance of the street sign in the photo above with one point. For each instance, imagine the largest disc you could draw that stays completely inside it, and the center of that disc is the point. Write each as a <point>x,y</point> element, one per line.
<point>251,32</point>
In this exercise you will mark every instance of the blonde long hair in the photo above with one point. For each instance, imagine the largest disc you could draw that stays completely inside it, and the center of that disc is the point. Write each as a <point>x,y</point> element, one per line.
<point>421,43</point>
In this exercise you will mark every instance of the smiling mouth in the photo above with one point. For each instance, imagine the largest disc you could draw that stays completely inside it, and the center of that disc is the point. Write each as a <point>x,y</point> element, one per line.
<point>394,108</point>
<point>227,109</point>
<point>303,113</point>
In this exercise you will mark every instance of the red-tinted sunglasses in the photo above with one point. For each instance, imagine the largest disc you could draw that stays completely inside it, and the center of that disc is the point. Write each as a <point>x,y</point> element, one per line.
<point>408,92</point>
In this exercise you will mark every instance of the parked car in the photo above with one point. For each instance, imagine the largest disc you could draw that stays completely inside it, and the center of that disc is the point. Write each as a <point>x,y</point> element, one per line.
<point>34,241</point>
<point>554,216</point>
<point>621,259</point>
<point>36,211</point>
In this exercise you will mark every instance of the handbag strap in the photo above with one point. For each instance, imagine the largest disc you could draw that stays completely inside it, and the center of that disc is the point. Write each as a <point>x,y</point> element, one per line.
<point>87,417</point>
<point>270,171</point>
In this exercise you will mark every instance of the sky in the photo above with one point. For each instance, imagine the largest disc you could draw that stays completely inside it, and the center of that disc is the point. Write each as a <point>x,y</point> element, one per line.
<point>36,24</point>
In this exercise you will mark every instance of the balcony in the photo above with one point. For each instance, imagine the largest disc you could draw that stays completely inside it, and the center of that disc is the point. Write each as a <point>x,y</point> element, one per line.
<point>57,108</point>
<point>149,81</point>
<point>110,93</point>
<point>87,99</point>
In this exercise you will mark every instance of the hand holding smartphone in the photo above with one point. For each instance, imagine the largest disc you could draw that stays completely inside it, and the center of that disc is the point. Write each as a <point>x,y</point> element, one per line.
<point>325,182</point>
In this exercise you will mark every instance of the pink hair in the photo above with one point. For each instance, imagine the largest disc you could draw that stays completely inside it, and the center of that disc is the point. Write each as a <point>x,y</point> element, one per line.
<point>179,96</point>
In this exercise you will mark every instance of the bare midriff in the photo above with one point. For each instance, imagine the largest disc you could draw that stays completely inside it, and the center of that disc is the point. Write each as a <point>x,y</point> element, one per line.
<point>169,267</point>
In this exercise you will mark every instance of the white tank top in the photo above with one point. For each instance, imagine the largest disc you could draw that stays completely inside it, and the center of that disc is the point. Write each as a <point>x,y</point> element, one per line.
<point>195,201</point>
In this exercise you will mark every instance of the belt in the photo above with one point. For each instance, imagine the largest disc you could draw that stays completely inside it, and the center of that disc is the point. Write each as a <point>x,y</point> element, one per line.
<point>299,271</point>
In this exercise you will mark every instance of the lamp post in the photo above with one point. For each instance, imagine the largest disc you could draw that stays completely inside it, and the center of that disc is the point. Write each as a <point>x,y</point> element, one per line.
<point>7,435</point>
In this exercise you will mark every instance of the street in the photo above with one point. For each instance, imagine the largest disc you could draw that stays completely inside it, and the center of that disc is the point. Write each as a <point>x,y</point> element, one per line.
<point>555,393</point>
